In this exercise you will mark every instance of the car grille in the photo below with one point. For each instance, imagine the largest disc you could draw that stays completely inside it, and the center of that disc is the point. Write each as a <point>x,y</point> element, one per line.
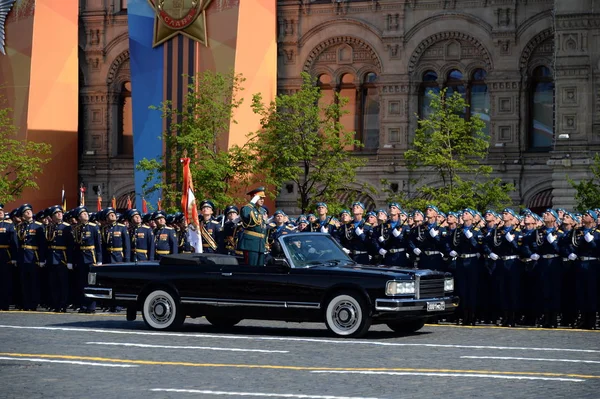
<point>431,288</point>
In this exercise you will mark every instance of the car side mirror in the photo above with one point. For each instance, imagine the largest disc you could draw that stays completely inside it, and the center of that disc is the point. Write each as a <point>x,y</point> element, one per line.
<point>280,262</point>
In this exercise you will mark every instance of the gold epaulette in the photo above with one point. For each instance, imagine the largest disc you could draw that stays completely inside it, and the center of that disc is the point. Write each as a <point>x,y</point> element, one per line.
<point>92,224</point>
<point>168,228</point>
<point>215,222</point>
<point>560,231</point>
<point>120,224</point>
<point>38,223</point>
<point>476,229</point>
<point>8,221</point>
<point>65,224</point>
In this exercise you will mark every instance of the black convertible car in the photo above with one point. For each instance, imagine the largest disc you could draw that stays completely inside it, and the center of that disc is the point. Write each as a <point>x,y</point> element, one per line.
<point>309,279</point>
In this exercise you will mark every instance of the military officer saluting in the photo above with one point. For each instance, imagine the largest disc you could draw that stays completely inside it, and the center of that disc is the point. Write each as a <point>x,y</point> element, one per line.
<point>142,238</point>
<point>165,241</point>
<point>30,256</point>
<point>115,239</point>
<point>8,258</point>
<point>425,241</point>
<point>60,257</point>
<point>391,238</point>
<point>253,238</point>
<point>210,229</point>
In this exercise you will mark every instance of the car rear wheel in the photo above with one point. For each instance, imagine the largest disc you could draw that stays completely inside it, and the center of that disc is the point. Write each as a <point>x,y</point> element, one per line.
<point>347,315</point>
<point>406,327</point>
<point>222,322</point>
<point>161,311</point>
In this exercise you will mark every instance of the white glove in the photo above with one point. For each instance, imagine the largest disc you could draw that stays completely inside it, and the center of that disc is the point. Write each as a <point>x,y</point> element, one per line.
<point>534,256</point>
<point>453,254</point>
<point>324,229</point>
<point>346,250</point>
<point>572,256</point>
<point>311,250</point>
<point>588,237</point>
<point>417,251</point>
<point>359,231</point>
<point>433,232</point>
<point>41,264</point>
<point>382,252</point>
<point>70,266</point>
<point>550,237</point>
<point>493,256</point>
<point>381,239</point>
<point>255,199</point>
<point>509,237</point>
<point>99,264</point>
<point>468,234</point>
<point>14,262</point>
<point>396,232</point>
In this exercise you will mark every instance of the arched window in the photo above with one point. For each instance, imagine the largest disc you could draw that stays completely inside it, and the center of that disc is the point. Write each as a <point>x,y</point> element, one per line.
<point>125,133</point>
<point>429,87</point>
<point>541,109</point>
<point>370,112</point>
<point>455,83</point>
<point>480,98</point>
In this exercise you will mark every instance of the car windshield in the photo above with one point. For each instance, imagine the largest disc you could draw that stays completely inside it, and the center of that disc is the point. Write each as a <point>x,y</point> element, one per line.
<point>313,249</point>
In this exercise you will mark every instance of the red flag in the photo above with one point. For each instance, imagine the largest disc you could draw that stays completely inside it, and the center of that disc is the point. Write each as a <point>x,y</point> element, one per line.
<point>159,204</point>
<point>81,195</point>
<point>114,202</point>
<point>129,205</point>
<point>144,205</point>
<point>188,200</point>
<point>99,203</point>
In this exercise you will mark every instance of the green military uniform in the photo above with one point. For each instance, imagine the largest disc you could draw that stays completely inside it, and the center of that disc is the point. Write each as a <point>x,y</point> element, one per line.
<point>253,238</point>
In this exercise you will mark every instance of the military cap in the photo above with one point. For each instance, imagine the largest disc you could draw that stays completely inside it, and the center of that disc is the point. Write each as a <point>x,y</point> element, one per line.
<point>170,219</point>
<point>452,213</point>
<point>592,213</point>
<point>391,204</point>
<point>553,213</point>
<point>382,211</point>
<point>146,217</point>
<point>13,213</point>
<point>469,211</point>
<point>260,191</point>
<point>159,214</point>
<point>321,204</point>
<point>40,215</point>
<point>302,220</point>
<point>510,211</point>
<point>346,211</point>
<point>120,217</point>
<point>108,210</point>
<point>54,209</point>
<point>231,208</point>
<point>442,214</point>
<point>491,212</point>
<point>178,217</point>
<point>131,213</point>
<point>358,203</point>
<point>418,212</point>
<point>94,216</point>
<point>310,215</point>
<point>431,206</point>
<point>371,213</point>
<point>79,210</point>
<point>1,205</point>
<point>23,208</point>
<point>279,212</point>
<point>208,203</point>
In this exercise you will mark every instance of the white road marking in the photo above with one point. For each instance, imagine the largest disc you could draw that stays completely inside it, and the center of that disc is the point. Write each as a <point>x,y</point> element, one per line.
<point>256,394</point>
<point>532,359</point>
<point>36,360</point>
<point>184,347</point>
<point>468,375</point>
<point>290,339</point>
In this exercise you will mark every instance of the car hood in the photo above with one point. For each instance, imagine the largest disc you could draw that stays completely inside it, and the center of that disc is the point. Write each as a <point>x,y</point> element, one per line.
<point>391,271</point>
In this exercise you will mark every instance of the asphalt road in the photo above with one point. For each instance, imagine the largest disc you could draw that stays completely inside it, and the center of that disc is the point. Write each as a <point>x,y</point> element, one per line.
<point>103,356</point>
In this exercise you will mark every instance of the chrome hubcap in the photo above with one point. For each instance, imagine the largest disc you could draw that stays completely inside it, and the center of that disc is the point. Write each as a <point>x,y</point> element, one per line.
<point>345,315</point>
<point>161,310</point>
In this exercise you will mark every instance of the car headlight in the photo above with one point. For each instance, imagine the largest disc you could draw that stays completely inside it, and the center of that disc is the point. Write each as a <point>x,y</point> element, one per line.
<point>449,284</point>
<point>400,287</point>
<point>91,278</point>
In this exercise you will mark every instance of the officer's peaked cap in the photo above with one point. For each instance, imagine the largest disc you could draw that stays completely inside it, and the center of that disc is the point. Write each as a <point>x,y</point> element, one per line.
<point>260,191</point>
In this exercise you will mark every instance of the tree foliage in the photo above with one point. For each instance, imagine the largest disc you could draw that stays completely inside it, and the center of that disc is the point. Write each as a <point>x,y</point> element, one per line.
<point>302,141</point>
<point>453,147</point>
<point>21,161</point>
<point>196,130</point>
<point>588,191</point>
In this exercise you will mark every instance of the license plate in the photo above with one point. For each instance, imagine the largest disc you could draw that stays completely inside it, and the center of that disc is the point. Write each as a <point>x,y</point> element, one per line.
<point>436,306</point>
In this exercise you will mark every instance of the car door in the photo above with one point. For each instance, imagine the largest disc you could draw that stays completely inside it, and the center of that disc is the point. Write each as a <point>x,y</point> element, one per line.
<point>254,286</point>
<point>196,283</point>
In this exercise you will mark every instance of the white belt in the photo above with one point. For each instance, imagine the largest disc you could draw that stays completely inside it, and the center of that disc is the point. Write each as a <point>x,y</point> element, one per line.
<point>467,256</point>
<point>587,258</point>
<point>358,252</point>
<point>509,257</point>
<point>550,256</point>
<point>429,253</point>
<point>396,250</point>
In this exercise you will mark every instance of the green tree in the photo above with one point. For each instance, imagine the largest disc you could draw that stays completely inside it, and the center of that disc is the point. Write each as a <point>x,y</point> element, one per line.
<point>588,191</point>
<point>301,140</point>
<point>21,161</point>
<point>196,130</point>
<point>453,147</point>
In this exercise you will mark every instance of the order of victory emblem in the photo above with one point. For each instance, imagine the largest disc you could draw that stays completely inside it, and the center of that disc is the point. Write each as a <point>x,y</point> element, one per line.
<point>186,17</point>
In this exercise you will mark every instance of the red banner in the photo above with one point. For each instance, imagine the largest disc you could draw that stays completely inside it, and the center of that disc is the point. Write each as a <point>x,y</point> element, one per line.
<point>144,206</point>
<point>188,200</point>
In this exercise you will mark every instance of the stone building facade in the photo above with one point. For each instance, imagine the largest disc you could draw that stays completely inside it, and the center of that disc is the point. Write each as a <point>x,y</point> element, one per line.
<point>529,68</point>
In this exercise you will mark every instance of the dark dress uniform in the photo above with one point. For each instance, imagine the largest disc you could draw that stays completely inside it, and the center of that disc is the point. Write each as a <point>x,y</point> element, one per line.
<point>30,255</point>
<point>530,298</point>
<point>569,295</point>
<point>230,234</point>
<point>87,252</point>
<point>586,274</point>
<point>358,244</point>
<point>465,241</point>
<point>116,244</point>
<point>8,255</point>
<point>253,239</point>
<point>427,238</point>
<point>549,273</point>
<point>165,242</point>
<point>142,243</point>
<point>212,236</point>
<point>60,255</point>
<point>392,236</point>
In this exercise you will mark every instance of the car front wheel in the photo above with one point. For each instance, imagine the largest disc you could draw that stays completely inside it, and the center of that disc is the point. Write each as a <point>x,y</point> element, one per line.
<point>347,315</point>
<point>161,311</point>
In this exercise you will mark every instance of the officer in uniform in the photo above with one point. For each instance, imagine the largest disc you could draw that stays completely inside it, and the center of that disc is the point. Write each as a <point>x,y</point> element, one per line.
<point>181,232</point>
<point>566,248</point>
<point>585,243</point>
<point>87,252</point>
<point>116,243</point>
<point>356,235</point>
<point>142,238</point>
<point>530,291</point>
<point>323,223</point>
<point>501,246</point>
<point>391,238</point>
<point>165,241</point>
<point>210,229</point>
<point>230,229</point>
<point>425,241</point>
<point>59,237</point>
<point>8,258</point>
<point>253,238</point>
<point>31,255</point>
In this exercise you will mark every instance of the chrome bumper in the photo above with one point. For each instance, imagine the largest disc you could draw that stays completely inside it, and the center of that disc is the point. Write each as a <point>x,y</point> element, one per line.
<point>410,305</point>
<point>98,293</point>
